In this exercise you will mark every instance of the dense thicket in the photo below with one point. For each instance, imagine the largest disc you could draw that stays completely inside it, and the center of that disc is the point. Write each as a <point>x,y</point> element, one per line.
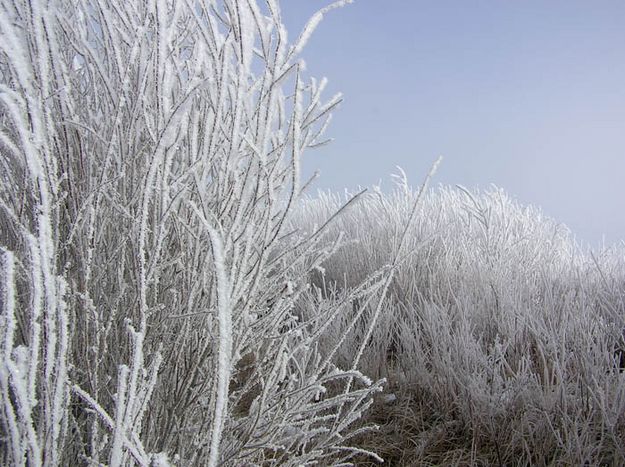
<point>501,339</point>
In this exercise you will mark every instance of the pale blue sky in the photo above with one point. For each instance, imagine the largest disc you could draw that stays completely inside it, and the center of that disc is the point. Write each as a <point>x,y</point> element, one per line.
<point>528,95</point>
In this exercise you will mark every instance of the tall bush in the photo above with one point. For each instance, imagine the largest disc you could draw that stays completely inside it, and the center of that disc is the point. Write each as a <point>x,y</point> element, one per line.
<point>150,155</point>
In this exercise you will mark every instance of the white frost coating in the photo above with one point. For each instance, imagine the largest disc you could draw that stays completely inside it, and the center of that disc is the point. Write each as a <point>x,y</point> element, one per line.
<point>297,131</point>
<point>61,393</point>
<point>224,318</point>
<point>247,28</point>
<point>284,360</point>
<point>312,24</point>
<point>35,340</point>
<point>7,325</point>
<point>310,27</point>
<point>120,428</point>
<point>160,460</point>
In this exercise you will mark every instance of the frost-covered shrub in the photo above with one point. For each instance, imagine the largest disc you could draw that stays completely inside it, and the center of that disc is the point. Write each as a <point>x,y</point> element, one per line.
<point>503,338</point>
<point>149,157</point>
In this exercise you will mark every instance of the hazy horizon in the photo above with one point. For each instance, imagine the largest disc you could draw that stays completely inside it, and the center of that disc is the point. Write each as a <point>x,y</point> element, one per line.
<point>527,96</point>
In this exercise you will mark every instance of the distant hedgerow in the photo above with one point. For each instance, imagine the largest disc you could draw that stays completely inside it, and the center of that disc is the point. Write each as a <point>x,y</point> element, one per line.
<point>501,339</point>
